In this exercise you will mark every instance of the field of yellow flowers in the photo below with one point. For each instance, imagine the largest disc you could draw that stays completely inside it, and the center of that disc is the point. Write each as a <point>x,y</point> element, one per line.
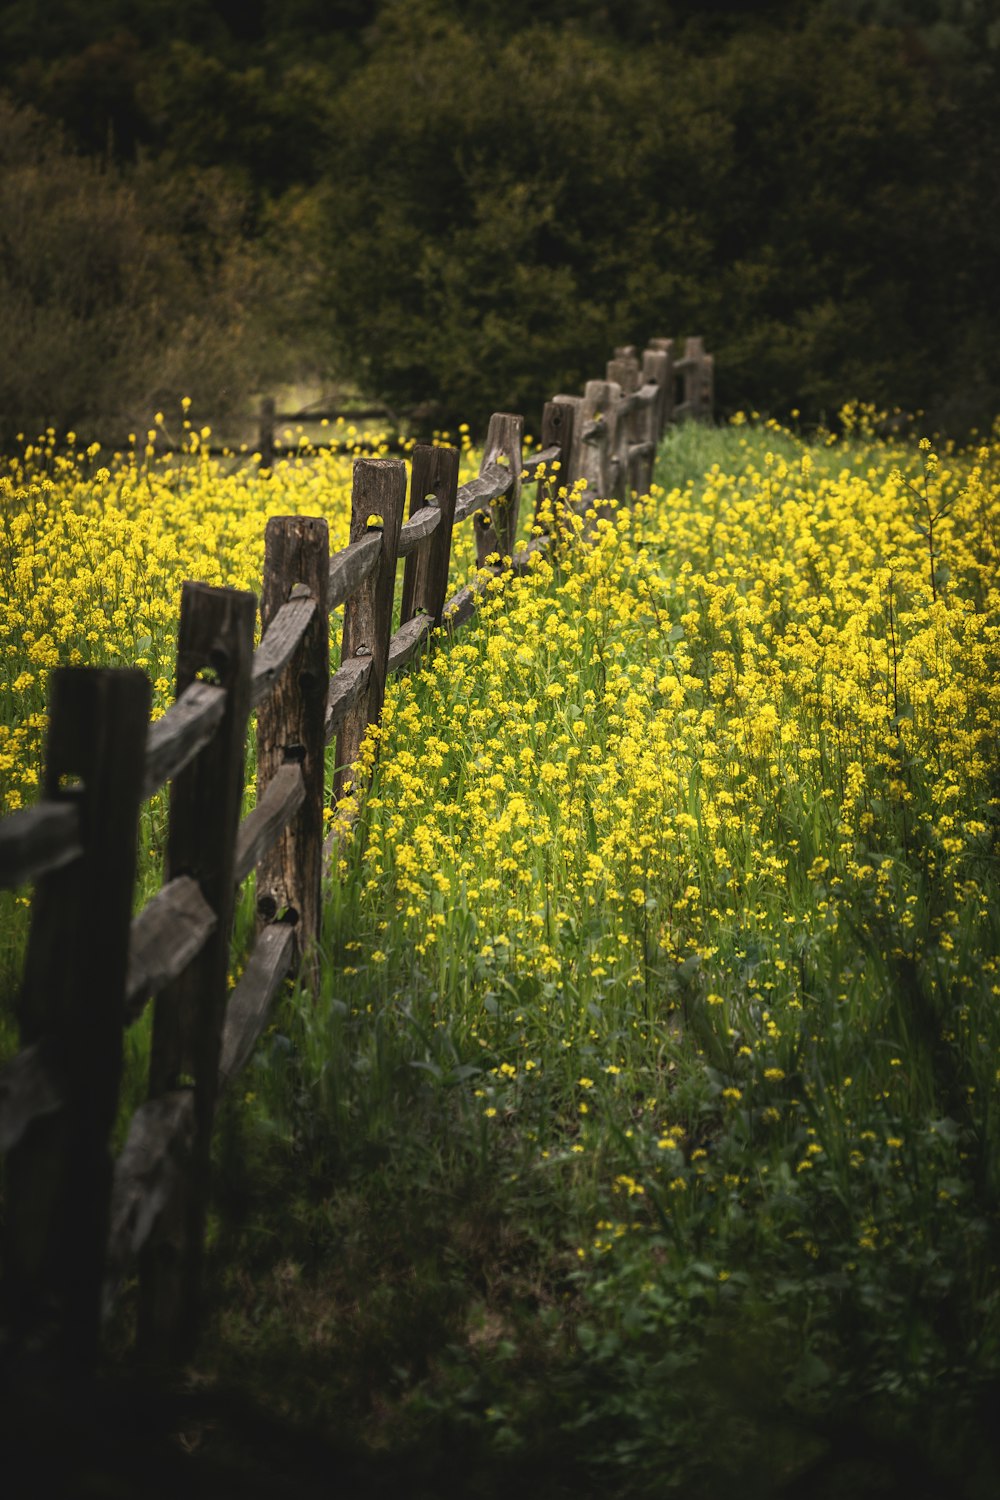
<point>645,1131</point>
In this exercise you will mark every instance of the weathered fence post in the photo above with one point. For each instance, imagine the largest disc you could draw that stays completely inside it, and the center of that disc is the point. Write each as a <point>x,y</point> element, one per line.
<point>434,471</point>
<point>558,423</point>
<point>379,492</point>
<point>290,728</point>
<point>216,637</point>
<point>598,428</point>
<point>571,456</point>
<point>72,1003</point>
<point>625,371</point>
<point>666,346</point>
<point>496,531</point>
<point>656,370</point>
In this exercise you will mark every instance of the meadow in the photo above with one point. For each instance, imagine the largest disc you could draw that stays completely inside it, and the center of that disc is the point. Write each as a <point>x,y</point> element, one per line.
<point>643,1136</point>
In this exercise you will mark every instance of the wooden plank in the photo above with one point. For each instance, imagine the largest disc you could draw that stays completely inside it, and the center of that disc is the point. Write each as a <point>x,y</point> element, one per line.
<point>290,728</point>
<point>269,963</point>
<point>599,464</point>
<point>433,489</point>
<point>58,1175</point>
<point>421,525</point>
<point>347,686</point>
<point>350,568</point>
<point>281,800</point>
<point>379,490</point>
<point>571,461</point>
<point>216,629</point>
<point>147,1176</point>
<point>37,839</point>
<point>407,641</point>
<point>667,413</point>
<point>165,936</point>
<point>546,456</point>
<point>496,534</point>
<point>278,644</point>
<point>493,483</point>
<point>28,1090</point>
<point>184,730</point>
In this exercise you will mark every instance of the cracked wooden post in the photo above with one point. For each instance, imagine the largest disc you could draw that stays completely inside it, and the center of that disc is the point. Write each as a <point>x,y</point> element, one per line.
<point>496,533</point>
<point>215,636</point>
<point>290,728</point>
<point>666,346</point>
<point>656,370</point>
<point>558,424</point>
<point>72,1003</point>
<point>599,466</point>
<point>625,371</point>
<point>434,472</point>
<point>379,491</point>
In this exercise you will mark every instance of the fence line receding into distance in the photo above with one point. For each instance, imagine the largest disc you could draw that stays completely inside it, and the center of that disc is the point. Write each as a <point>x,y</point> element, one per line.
<point>76,1223</point>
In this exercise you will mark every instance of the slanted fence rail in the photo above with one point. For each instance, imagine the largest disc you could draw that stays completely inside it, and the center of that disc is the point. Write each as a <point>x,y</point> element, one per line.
<point>74,1222</point>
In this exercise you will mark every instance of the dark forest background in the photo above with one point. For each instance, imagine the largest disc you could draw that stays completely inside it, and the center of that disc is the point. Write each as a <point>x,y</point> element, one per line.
<point>462,206</point>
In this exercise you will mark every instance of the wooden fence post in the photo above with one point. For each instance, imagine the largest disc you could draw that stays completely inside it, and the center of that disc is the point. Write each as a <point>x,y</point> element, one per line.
<point>558,423</point>
<point>496,532</point>
<point>666,346</point>
<point>571,459</point>
<point>598,435</point>
<point>290,727</point>
<point>379,490</point>
<point>265,433</point>
<point>216,636</point>
<point>72,1003</point>
<point>625,371</point>
<point>656,370</point>
<point>434,471</point>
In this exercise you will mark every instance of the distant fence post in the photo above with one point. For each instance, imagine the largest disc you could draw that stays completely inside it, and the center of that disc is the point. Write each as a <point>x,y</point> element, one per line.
<point>265,432</point>
<point>666,346</point>
<point>496,531</point>
<point>571,453</point>
<point>558,424</point>
<point>433,471</point>
<point>656,370</point>
<point>216,635</point>
<point>598,432</point>
<point>379,491</point>
<point>290,728</point>
<point>72,1003</point>
<point>624,369</point>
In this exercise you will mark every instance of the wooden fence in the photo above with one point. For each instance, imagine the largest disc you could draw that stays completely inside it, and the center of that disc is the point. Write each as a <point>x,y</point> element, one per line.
<point>74,1222</point>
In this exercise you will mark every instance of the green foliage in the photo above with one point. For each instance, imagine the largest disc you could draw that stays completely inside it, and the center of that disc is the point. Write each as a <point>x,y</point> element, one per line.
<point>118,293</point>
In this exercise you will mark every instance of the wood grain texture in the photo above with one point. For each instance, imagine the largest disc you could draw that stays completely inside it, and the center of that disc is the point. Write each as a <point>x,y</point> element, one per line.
<point>279,643</point>
<point>379,490</point>
<point>216,630</point>
<point>250,1004</point>
<point>504,443</point>
<point>37,839</point>
<point>350,568</point>
<point>28,1090</point>
<point>347,686</point>
<point>147,1178</point>
<point>418,529</point>
<point>433,490</point>
<point>493,482</point>
<point>281,800</point>
<point>184,730</point>
<point>290,728</point>
<point>407,641</point>
<point>165,936</point>
<point>58,1174</point>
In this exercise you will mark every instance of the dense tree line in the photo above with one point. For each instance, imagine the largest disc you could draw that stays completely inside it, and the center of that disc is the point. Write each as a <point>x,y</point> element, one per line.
<point>461,206</point>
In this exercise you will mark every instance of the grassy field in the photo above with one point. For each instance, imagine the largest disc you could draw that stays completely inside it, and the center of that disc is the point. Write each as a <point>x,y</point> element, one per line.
<point>643,1138</point>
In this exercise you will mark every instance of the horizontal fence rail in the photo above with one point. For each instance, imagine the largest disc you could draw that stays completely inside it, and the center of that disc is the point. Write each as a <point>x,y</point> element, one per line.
<point>75,1222</point>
